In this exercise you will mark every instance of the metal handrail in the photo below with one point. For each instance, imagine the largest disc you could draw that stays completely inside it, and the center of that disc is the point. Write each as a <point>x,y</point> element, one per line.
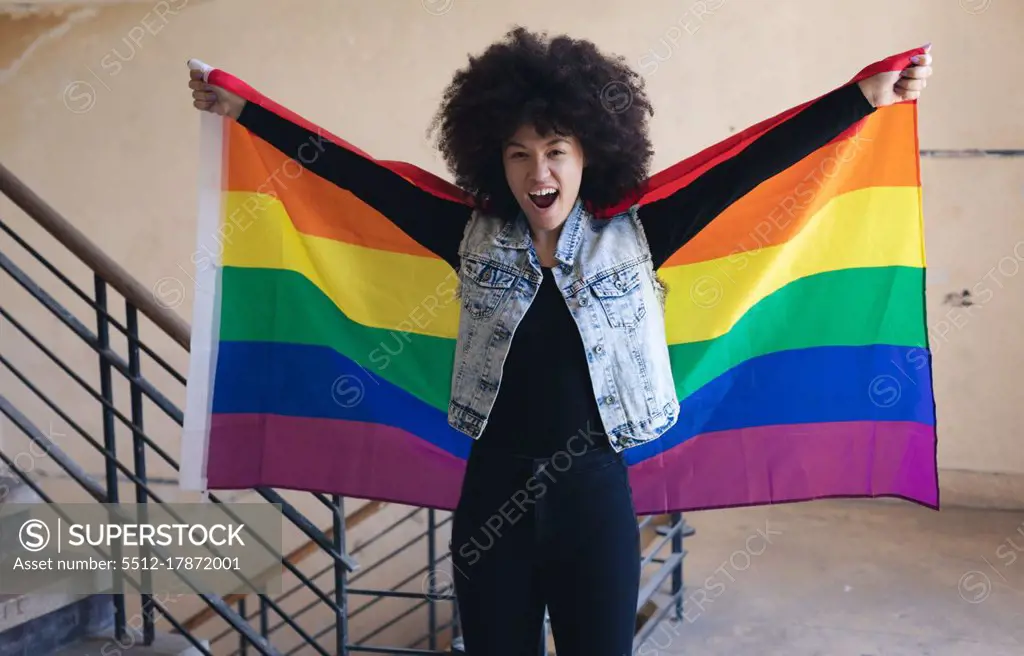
<point>96,491</point>
<point>83,479</point>
<point>379,594</point>
<point>136,300</point>
<point>110,358</point>
<point>106,316</point>
<point>85,250</point>
<point>135,295</point>
<point>295,557</point>
<point>105,271</point>
<point>98,344</point>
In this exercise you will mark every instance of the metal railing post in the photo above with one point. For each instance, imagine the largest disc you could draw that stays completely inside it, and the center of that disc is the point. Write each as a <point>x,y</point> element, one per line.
<point>109,442</point>
<point>264,618</point>
<point>139,457</point>
<point>243,644</point>
<point>677,573</point>
<point>340,573</point>
<point>456,625</point>
<point>431,578</point>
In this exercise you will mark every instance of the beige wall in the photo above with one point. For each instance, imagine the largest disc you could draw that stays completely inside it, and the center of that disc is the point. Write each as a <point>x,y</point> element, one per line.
<point>114,146</point>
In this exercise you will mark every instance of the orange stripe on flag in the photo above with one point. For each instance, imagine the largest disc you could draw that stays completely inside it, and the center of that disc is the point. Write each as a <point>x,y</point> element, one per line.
<point>317,207</point>
<point>775,211</point>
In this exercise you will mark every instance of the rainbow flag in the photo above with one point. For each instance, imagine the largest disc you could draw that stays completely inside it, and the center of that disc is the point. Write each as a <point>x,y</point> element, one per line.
<point>323,336</point>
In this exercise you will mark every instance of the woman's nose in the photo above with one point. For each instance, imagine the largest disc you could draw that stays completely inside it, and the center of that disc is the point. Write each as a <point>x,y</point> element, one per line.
<point>539,169</point>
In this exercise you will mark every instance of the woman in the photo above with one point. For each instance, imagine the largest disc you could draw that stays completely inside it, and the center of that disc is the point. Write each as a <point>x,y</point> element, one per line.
<point>562,360</point>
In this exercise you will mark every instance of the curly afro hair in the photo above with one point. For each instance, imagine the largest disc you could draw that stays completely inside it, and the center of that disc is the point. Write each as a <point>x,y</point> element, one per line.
<point>563,85</point>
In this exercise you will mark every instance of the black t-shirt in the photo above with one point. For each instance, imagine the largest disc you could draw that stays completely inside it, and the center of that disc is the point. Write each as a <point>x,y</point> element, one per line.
<point>545,395</point>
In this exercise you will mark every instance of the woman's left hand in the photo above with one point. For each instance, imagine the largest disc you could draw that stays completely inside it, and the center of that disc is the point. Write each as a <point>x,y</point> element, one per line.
<point>896,86</point>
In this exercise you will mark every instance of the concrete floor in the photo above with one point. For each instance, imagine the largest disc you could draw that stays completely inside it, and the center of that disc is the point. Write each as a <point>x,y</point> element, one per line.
<point>850,578</point>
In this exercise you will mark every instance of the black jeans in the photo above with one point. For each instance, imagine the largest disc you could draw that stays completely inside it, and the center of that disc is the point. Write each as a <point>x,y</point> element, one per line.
<point>558,532</point>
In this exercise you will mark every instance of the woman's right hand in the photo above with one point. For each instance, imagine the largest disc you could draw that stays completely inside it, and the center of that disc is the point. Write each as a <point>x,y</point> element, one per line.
<point>210,98</point>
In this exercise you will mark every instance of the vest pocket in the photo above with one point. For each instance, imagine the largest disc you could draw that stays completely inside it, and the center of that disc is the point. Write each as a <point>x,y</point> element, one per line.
<point>484,287</point>
<point>621,296</point>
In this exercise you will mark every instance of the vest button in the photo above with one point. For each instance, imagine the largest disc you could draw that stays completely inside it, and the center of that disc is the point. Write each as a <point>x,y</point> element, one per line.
<point>583,301</point>
<point>610,399</point>
<point>598,349</point>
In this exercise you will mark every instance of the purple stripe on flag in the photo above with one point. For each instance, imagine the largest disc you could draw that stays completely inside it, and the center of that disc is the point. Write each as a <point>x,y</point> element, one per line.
<point>794,462</point>
<point>769,464</point>
<point>333,456</point>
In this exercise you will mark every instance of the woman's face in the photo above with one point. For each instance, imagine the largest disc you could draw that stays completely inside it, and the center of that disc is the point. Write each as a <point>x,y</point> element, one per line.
<point>544,174</point>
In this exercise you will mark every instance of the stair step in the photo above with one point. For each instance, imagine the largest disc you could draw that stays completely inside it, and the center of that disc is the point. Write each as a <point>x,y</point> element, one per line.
<point>18,609</point>
<point>40,624</point>
<point>164,644</point>
<point>14,490</point>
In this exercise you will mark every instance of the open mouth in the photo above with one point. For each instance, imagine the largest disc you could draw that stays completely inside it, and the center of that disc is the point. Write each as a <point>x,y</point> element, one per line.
<point>544,199</point>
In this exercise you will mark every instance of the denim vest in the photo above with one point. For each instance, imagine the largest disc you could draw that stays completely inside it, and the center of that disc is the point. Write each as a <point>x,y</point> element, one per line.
<point>605,274</point>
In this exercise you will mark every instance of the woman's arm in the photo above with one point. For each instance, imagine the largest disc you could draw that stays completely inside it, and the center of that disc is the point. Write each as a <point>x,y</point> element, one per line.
<point>436,223</point>
<point>671,222</point>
